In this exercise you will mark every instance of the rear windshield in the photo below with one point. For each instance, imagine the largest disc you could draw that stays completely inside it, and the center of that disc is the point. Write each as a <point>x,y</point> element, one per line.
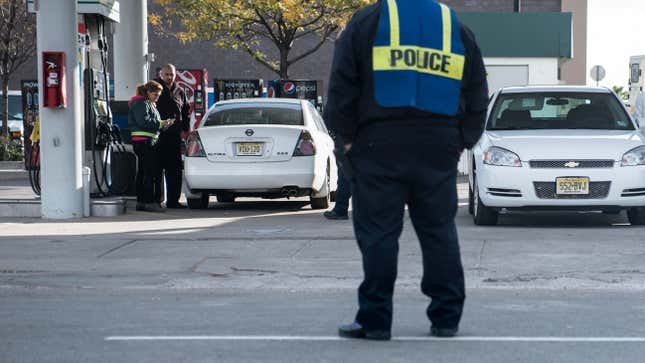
<point>254,114</point>
<point>558,110</point>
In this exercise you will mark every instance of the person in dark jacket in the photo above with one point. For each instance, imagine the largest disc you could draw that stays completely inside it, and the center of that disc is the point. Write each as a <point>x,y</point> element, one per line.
<point>407,93</point>
<point>144,123</point>
<point>172,104</point>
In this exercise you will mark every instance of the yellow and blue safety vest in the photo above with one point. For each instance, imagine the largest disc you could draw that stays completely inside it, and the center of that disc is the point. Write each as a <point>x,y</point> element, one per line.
<point>418,57</point>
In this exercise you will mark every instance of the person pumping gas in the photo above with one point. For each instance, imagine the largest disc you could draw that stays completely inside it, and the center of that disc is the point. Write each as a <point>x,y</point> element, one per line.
<point>145,123</point>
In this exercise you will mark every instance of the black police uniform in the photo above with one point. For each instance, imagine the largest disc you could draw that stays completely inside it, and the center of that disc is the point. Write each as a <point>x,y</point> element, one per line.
<point>172,104</point>
<point>399,156</point>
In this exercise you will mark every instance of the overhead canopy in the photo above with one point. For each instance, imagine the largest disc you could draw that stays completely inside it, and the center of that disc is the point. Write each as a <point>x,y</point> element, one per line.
<point>516,35</point>
<point>107,8</point>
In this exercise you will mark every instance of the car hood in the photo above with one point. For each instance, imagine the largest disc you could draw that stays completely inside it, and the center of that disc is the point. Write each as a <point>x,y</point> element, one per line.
<point>567,144</point>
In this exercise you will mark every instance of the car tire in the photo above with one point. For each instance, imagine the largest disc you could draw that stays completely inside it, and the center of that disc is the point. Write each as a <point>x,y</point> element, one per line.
<point>198,203</point>
<point>322,202</point>
<point>225,198</point>
<point>636,216</point>
<point>471,200</point>
<point>482,215</point>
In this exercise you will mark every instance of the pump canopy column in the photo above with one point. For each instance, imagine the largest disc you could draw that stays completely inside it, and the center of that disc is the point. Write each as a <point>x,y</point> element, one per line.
<point>60,128</point>
<point>130,49</point>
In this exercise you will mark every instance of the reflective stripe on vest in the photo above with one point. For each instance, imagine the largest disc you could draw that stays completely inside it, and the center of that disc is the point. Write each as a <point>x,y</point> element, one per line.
<point>418,56</point>
<point>143,133</point>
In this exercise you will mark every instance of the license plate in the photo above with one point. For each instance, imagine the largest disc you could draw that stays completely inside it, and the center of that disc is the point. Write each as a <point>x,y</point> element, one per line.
<point>249,149</point>
<point>571,185</point>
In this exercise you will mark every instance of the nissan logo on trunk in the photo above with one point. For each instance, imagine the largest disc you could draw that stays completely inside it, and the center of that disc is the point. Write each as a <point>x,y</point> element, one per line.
<point>249,132</point>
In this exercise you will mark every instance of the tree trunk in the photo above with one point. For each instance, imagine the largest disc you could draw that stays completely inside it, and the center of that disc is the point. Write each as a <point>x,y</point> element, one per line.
<point>5,106</point>
<point>284,64</point>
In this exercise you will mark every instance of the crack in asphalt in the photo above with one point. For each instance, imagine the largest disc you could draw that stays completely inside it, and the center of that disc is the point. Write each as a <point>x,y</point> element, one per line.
<point>302,247</point>
<point>116,248</point>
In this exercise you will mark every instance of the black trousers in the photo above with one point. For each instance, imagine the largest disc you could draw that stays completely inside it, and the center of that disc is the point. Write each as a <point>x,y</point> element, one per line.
<point>170,165</point>
<point>147,182</point>
<point>416,166</point>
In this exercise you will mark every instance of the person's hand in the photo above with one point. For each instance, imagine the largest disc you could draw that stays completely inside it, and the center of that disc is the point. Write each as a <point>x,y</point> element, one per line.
<point>348,147</point>
<point>167,123</point>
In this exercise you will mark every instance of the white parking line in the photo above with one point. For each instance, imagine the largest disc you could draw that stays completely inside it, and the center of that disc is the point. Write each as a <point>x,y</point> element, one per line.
<point>289,338</point>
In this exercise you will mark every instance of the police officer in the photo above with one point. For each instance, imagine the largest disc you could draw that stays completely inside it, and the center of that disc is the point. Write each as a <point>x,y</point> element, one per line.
<point>407,94</point>
<point>172,104</point>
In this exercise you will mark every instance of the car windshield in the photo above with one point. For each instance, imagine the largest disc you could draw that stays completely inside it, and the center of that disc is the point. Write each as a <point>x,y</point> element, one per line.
<point>558,110</point>
<point>15,108</point>
<point>254,114</point>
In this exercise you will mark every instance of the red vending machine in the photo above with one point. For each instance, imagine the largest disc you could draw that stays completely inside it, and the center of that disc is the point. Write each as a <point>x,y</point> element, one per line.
<point>194,82</point>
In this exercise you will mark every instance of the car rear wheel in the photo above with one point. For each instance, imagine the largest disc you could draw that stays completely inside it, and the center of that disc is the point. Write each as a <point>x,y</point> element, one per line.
<point>198,203</point>
<point>322,202</point>
<point>636,216</point>
<point>482,215</point>
<point>471,200</point>
<point>225,198</point>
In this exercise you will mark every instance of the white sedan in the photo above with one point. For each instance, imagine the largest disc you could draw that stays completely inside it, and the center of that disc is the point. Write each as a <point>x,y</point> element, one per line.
<point>558,148</point>
<point>268,148</point>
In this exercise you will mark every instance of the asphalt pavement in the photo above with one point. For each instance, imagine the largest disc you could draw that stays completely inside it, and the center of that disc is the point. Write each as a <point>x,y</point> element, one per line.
<point>269,281</point>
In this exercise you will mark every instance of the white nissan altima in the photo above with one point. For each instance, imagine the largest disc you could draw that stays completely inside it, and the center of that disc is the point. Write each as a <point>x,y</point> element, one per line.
<point>261,147</point>
<point>558,148</point>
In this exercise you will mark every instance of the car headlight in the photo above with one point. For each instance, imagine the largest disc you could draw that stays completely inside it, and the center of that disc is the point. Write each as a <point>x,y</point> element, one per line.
<point>634,157</point>
<point>501,157</point>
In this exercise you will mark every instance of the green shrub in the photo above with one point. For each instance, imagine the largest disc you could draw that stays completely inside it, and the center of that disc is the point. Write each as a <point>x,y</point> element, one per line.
<point>10,150</point>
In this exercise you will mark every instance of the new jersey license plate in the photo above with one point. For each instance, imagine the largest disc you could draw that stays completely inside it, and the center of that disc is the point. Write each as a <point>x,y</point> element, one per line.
<point>249,149</point>
<point>572,185</point>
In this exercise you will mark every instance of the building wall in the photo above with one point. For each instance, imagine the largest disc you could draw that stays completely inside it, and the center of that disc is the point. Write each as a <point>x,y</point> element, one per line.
<point>574,71</point>
<point>235,64</point>
<point>542,71</point>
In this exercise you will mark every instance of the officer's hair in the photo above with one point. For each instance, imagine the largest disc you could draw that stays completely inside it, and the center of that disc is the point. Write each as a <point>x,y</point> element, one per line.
<point>151,86</point>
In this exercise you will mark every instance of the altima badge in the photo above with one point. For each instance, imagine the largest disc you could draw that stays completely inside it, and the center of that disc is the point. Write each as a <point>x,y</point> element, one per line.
<point>572,164</point>
<point>249,132</point>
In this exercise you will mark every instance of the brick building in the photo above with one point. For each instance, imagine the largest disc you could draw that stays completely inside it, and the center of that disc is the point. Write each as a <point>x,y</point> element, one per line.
<point>223,63</point>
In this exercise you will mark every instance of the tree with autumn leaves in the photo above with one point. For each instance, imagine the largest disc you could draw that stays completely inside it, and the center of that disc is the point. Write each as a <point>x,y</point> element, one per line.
<point>251,25</point>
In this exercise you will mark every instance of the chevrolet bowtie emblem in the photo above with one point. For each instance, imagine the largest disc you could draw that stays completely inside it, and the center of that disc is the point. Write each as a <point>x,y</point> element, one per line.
<point>572,164</point>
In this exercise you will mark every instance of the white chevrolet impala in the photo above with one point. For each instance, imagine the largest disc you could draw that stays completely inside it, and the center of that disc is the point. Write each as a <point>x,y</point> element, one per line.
<point>558,148</point>
<point>262,147</point>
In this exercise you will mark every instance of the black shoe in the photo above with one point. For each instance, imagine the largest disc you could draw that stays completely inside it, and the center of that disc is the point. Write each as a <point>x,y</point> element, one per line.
<point>175,206</point>
<point>140,206</point>
<point>333,215</point>
<point>356,331</point>
<point>443,332</point>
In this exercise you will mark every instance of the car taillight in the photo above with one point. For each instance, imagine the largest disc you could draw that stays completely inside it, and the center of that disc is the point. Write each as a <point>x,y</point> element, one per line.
<point>305,145</point>
<point>194,147</point>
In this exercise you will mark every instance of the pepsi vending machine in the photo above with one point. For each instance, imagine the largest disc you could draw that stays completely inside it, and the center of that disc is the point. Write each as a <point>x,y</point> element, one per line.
<point>230,89</point>
<point>194,82</point>
<point>302,89</point>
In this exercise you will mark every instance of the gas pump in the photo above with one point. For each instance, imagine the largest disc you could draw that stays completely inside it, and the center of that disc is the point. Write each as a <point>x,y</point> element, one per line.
<point>31,134</point>
<point>102,136</point>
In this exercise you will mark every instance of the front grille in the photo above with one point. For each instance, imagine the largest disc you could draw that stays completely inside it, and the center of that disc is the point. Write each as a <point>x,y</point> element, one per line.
<point>597,190</point>
<point>560,164</point>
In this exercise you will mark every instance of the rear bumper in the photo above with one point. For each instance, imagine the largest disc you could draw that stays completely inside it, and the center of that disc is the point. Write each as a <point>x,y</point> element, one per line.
<point>201,174</point>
